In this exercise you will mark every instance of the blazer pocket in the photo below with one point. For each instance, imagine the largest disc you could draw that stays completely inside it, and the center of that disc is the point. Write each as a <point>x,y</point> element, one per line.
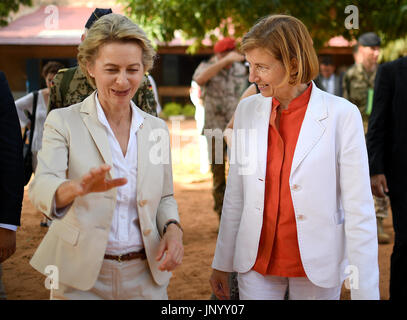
<point>66,232</point>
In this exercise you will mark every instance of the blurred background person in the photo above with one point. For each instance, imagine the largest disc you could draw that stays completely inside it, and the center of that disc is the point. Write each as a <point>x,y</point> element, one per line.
<point>327,79</point>
<point>222,80</point>
<point>195,96</point>
<point>358,80</point>
<point>112,237</point>
<point>25,107</point>
<point>358,87</point>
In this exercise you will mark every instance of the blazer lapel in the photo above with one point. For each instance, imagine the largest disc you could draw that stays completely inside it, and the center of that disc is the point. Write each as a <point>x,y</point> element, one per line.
<point>312,129</point>
<point>261,124</point>
<point>96,129</point>
<point>142,151</point>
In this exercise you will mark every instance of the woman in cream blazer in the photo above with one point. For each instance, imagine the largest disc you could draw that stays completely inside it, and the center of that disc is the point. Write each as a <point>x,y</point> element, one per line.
<point>106,243</point>
<point>334,216</point>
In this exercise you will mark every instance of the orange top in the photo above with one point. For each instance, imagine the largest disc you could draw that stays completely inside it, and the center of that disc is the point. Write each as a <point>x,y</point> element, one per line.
<point>278,252</point>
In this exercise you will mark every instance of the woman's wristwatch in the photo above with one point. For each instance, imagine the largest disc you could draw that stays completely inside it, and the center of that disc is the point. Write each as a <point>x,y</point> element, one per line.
<point>172,222</point>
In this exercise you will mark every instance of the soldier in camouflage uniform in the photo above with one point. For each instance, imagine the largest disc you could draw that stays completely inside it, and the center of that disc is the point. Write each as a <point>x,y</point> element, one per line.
<point>358,84</point>
<point>222,79</point>
<point>70,86</point>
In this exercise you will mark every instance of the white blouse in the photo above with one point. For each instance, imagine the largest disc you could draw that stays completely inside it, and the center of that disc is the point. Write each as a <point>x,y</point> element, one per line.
<point>125,235</point>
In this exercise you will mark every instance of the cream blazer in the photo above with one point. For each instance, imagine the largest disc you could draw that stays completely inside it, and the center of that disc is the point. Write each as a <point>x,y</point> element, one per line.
<point>74,141</point>
<point>330,190</point>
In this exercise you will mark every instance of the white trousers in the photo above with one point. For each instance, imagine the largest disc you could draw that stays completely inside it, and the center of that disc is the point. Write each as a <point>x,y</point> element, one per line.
<point>126,280</point>
<point>255,286</point>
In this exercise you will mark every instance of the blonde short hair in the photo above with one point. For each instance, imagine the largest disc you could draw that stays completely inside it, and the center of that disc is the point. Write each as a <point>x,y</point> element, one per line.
<point>113,28</point>
<point>289,41</point>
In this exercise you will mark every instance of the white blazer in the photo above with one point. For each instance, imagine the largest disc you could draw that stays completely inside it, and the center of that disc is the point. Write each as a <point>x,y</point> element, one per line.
<point>330,190</point>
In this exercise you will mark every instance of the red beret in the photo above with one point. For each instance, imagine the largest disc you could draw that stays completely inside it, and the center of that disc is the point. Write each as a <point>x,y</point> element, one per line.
<point>224,45</point>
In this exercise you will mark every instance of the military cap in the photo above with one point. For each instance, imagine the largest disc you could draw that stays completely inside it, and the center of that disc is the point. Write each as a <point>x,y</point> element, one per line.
<point>369,39</point>
<point>99,12</point>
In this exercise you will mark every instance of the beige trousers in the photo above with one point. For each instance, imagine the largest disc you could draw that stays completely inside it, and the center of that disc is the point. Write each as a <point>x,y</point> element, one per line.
<point>126,280</point>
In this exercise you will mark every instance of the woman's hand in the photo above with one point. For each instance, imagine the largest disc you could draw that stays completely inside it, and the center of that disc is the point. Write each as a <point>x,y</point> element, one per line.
<point>171,245</point>
<point>7,244</point>
<point>93,181</point>
<point>378,183</point>
<point>220,284</point>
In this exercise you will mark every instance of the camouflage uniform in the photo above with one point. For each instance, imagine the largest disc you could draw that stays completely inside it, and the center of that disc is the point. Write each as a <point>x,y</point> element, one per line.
<point>356,84</point>
<point>79,88</point>
<point>220,96</point>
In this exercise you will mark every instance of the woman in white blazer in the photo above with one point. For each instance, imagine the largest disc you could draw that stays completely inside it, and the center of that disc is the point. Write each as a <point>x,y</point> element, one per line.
<point>104,175</point>
<point>298,212</point>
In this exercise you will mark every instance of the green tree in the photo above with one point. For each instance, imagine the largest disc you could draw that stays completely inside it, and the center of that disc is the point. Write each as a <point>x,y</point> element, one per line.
<point>7,6</point>
<point>198,19</point>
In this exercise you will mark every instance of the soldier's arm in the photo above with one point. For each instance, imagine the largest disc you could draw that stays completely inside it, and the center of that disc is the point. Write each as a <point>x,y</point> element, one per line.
<point>213,69</point>
<point>144,97</point>
<point>55,100</point>
<point>345,86</point>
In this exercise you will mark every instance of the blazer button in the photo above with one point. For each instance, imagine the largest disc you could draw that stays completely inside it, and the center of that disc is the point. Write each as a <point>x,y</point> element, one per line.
<point>142,203</point>
<point>295,187</point>
<point>147,232</point>
<point>300,217</point>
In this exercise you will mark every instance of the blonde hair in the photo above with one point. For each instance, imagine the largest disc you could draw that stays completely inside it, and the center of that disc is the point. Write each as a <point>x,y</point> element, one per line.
<point>289,41</point>
<point>113,28</point>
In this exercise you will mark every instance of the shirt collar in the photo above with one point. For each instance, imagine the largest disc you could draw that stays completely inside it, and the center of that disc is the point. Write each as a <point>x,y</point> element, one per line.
<point>136,117</point>
<point>298,102</point>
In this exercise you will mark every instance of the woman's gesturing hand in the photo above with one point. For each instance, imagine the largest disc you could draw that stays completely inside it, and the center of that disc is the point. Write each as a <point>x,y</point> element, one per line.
<point>171,245</point>
<point>93,181</point>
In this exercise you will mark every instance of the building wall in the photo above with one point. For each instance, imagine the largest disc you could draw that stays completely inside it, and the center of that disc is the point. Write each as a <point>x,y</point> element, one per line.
<point>172,72</point>
<point>22,64</point>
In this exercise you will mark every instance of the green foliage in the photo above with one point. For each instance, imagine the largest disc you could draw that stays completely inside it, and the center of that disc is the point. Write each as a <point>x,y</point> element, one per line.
<point>7,6</point>
<point>172,109</point>
<point>393,50</point>
<point>198,19</point>
<point>176,109</point>
<point>188,110</point>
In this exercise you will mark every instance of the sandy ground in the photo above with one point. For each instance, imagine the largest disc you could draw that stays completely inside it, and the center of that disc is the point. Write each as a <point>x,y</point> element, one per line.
<point>193,194</point>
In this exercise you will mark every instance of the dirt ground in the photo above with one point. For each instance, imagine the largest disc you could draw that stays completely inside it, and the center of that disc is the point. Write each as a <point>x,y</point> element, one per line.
<point>193,194</point>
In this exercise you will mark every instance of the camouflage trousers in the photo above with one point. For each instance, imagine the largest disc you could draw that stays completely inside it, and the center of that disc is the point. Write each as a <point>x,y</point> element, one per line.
<point>217,158</point>
<point>233,287</point>
<point>381,206</point>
